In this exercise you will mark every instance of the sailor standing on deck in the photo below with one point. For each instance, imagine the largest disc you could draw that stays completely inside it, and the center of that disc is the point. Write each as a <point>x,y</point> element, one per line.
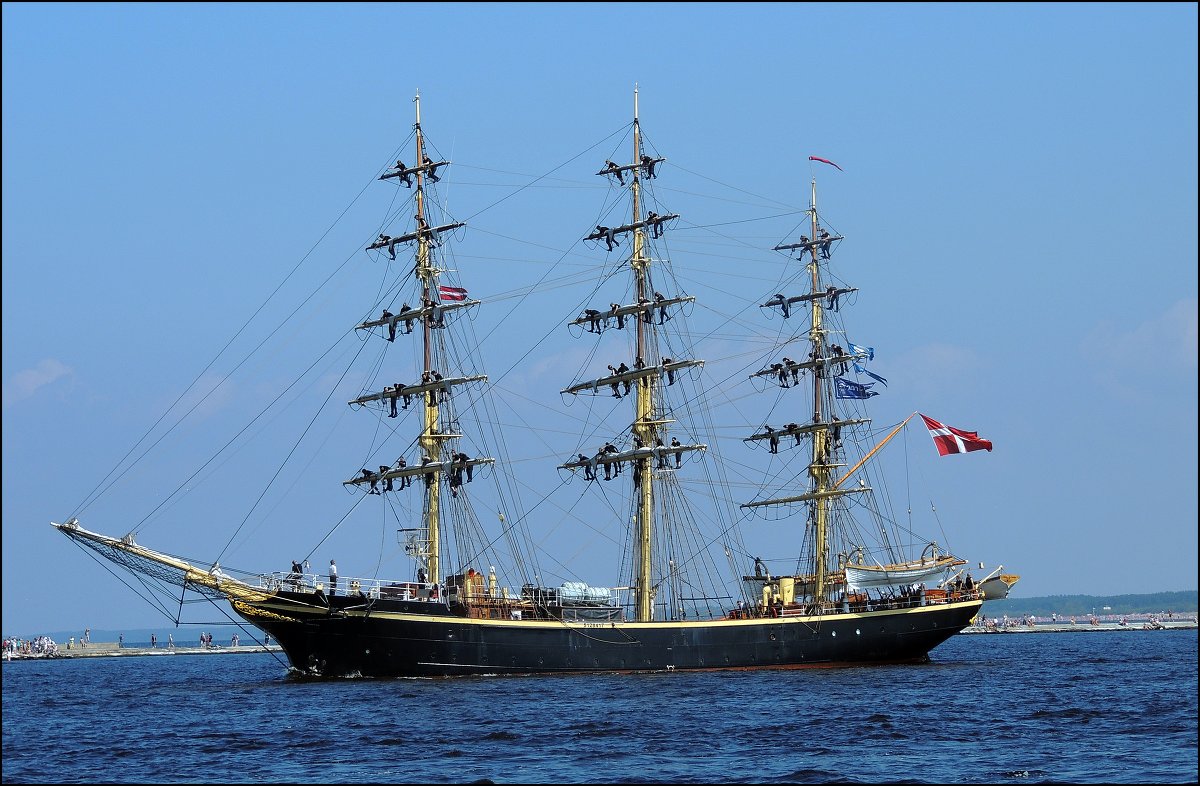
<point>332,578</point>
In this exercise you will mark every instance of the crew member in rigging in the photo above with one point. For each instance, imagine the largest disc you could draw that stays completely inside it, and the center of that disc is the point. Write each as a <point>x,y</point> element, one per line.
<point>663,316</point>
<point>393,393</point>
<point>832,294</point>
<point>404,176</point>
<point>621,369</point>
<point>774,438</point>
<point>609,235</point>
<point>589,467</point>
<point>612,169</point>
<point>648,166</point>
<point>825,243</point>
<point>432,167</point>
<point>781,301</point>
<point>386,240</point>
<point>423,229</point>
<point>613,308</point>
<point>655,223</point>
<point>404,479</point>
<point>678,453</point>
<point>804,246</point>
<point>462,459</point>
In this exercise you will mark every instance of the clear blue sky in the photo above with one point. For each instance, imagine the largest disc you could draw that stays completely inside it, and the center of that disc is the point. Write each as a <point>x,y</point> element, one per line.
<point>1019,189</point>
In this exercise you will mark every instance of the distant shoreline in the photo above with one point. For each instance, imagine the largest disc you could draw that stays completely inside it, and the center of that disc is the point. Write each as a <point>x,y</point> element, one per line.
<point>1015,626</point>
<point>113,650</point>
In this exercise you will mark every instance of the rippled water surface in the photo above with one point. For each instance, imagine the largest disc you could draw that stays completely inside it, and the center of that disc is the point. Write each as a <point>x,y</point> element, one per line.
<point>1023,708</point>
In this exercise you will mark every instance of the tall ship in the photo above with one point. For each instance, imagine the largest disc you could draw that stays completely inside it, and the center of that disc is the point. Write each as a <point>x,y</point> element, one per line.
<point>844,582</point>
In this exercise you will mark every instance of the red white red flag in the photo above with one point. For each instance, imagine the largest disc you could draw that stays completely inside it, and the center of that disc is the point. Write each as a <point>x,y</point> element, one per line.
<point>452,293</point>
<point>825,161</point>
<point>952,440</point>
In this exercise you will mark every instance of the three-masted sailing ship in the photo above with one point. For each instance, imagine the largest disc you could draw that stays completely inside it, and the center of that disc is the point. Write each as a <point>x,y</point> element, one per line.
<point>842,600</point>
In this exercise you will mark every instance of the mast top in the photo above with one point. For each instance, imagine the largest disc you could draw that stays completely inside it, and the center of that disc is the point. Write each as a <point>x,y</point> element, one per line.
<point>417,101</point>
<point>635,102</point>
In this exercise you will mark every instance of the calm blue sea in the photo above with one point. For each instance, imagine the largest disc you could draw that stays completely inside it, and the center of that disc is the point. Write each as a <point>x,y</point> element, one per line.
<point>1013,708</point>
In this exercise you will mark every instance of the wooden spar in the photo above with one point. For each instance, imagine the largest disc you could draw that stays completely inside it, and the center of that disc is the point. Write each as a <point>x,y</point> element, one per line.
<point>835,359</point>
<point>628,167</point>
<point>412,170</point>
<point>418,469</point>
<point>806,497</point>
<point>411,236</point>
<point>632,226</point>
<point>634,309</point>
<point>629,455</point>
<point>416,313</point>
<point>808,245</point>
<point>874,450</point>
<point>808,428</point>
<point>412,390</point>
<point>632,374</point>
<point>805,298</point>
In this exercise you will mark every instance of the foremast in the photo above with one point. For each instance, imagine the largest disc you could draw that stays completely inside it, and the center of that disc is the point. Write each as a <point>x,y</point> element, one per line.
<point>438,458</point>
<point>430,440</point>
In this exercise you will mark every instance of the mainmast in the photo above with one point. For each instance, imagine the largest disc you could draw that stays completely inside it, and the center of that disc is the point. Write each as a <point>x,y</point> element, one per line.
<point>643,426</point>
<point>649,453</point>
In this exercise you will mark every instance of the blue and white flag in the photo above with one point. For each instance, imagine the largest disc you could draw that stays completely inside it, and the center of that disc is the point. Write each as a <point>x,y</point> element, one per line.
<point>862,352</point>
<point>862,370</point>
<point>847,389</point>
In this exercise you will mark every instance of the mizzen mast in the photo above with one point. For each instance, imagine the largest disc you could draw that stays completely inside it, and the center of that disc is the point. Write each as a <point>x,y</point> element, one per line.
<point>824,430</point>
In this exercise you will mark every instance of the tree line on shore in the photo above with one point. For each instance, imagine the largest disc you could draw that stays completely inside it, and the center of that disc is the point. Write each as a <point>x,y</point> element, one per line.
<point>1085,605</point>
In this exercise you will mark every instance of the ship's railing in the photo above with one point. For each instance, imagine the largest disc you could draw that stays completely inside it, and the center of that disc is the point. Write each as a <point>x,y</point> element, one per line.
<point>858,603</point>
<point>372,589</point>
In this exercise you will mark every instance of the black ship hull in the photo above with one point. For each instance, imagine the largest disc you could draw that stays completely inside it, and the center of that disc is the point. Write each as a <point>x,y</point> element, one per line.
<point>420,642</point>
